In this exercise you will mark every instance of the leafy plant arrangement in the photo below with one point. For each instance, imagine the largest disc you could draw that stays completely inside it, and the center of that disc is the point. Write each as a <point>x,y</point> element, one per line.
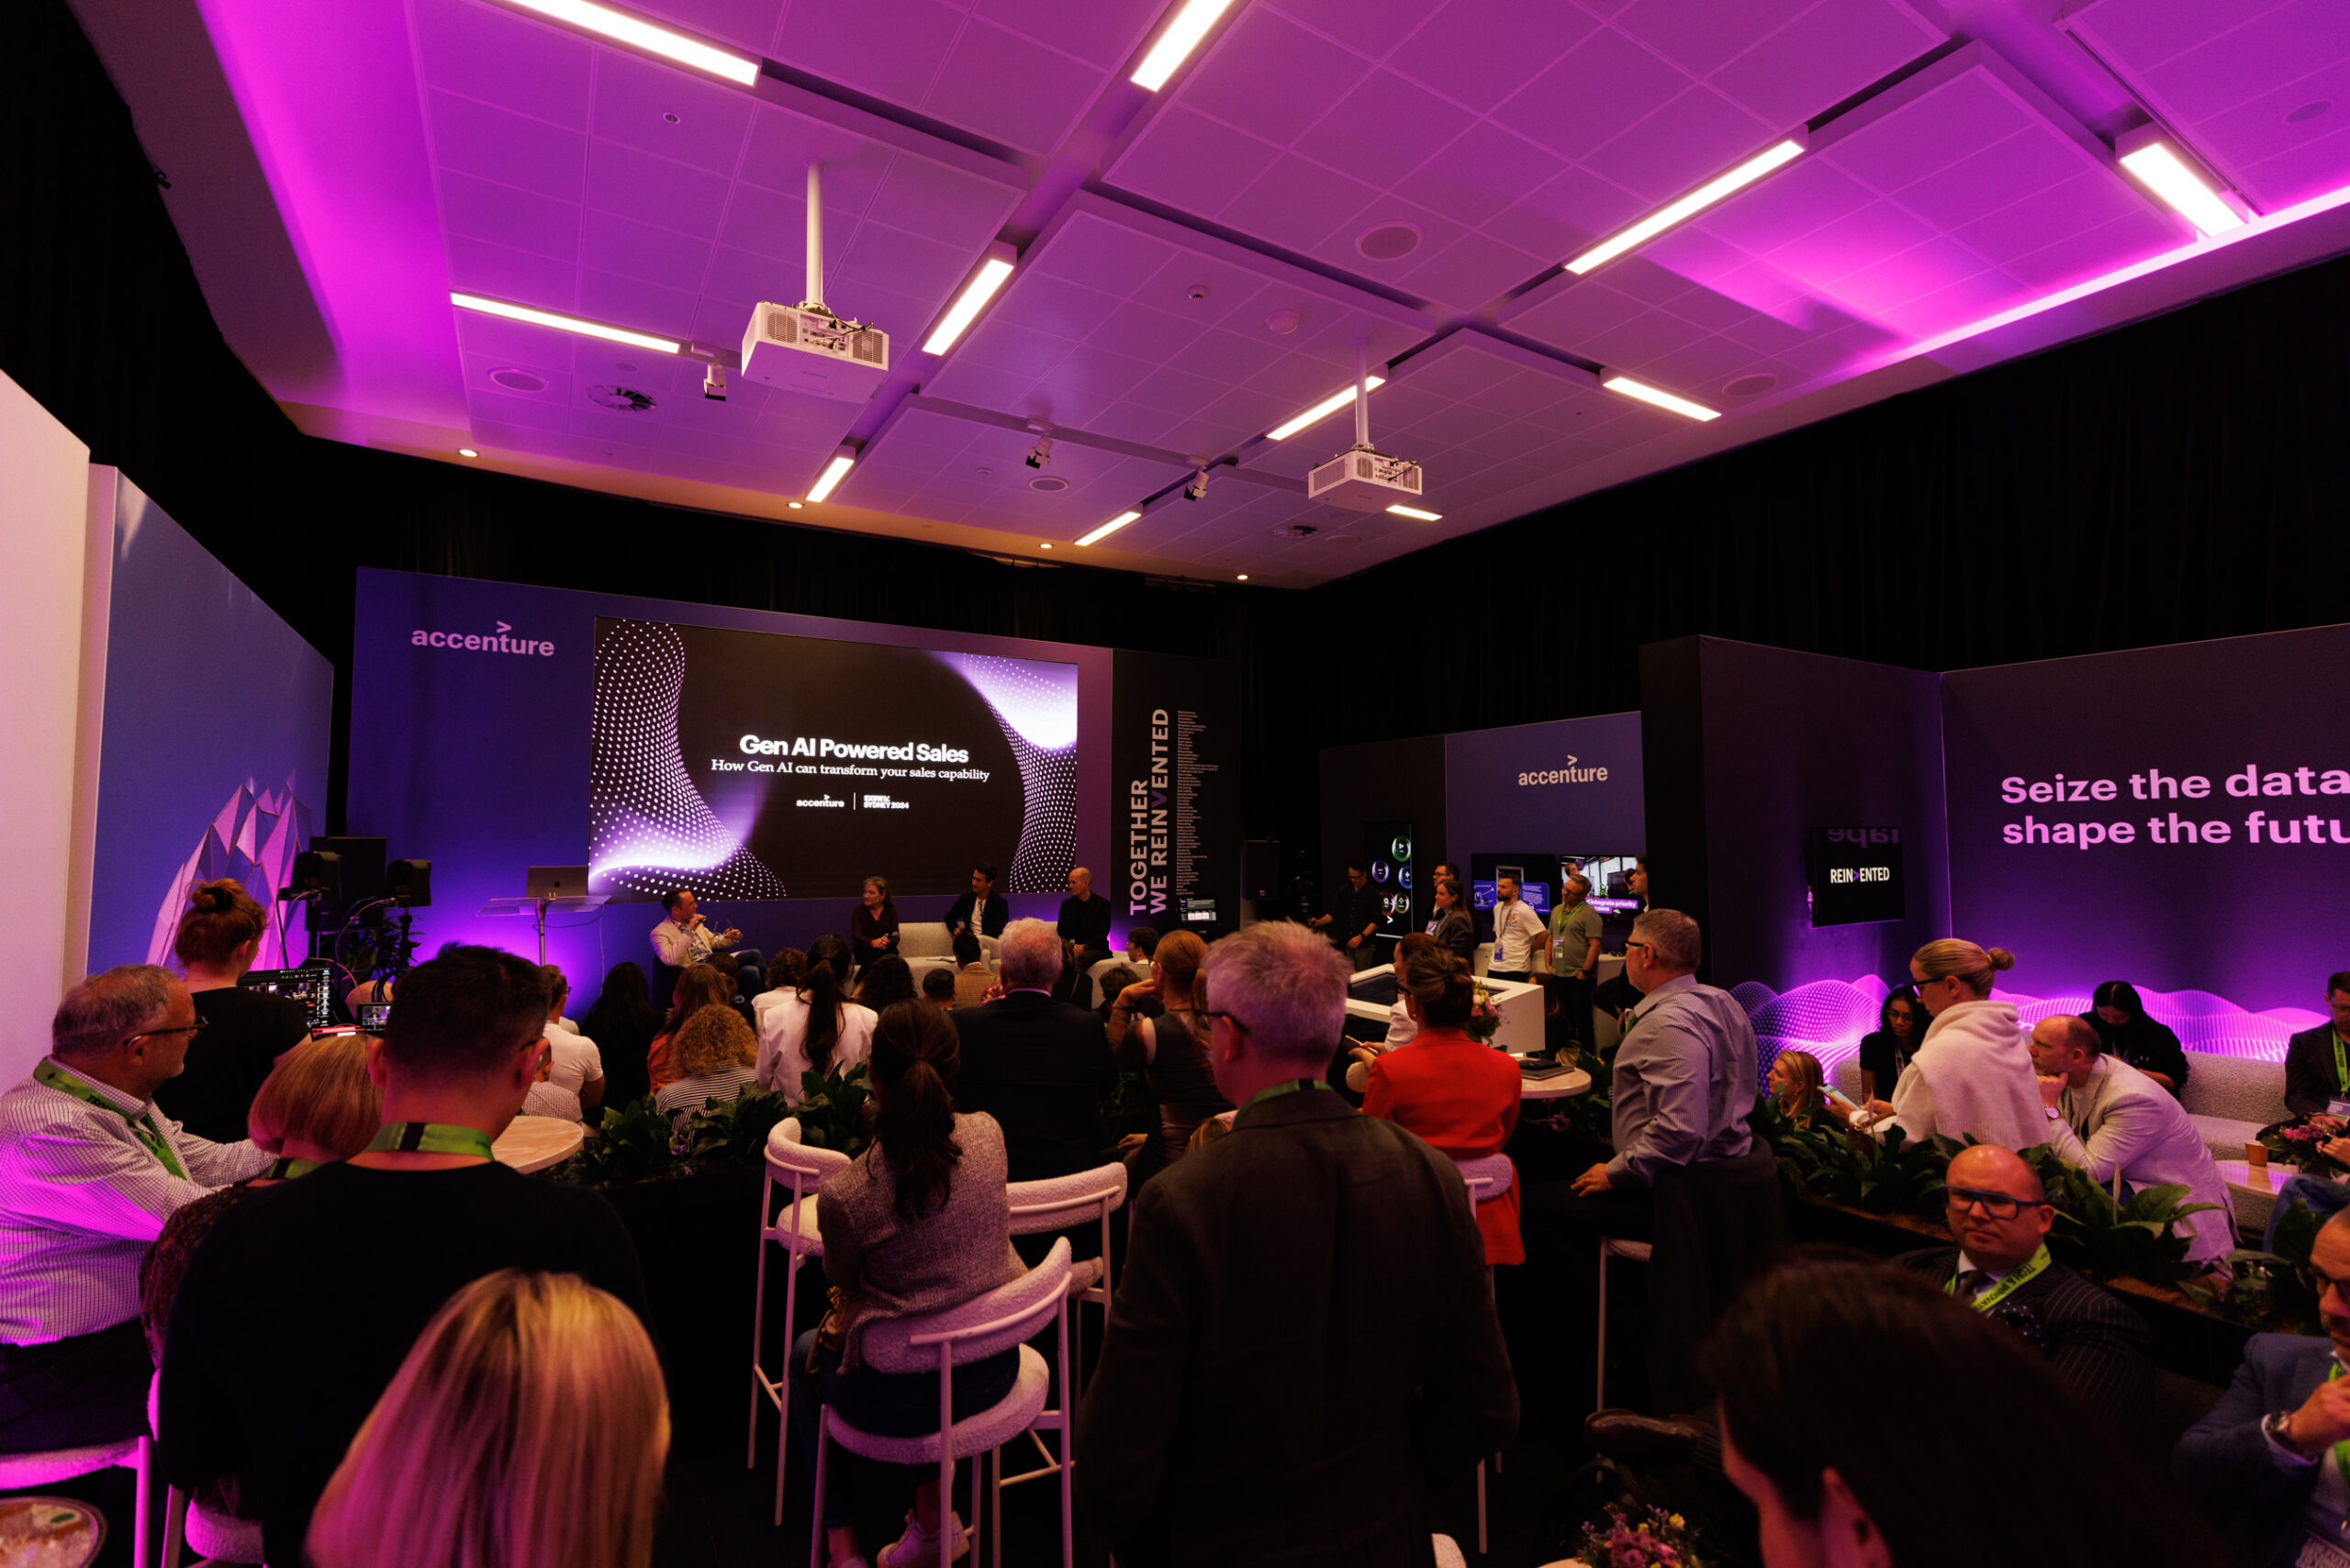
<point>1639,1537</point>
<point>1593,1111</point>
<point>2094,1235</point>
<point>636,1142</point>
<point>836,1110</point>
<point>640,1142</point>
<point>735,1133</point>
<point>1822,1160</point>
<point>2303,1146</point>
<point>2269,1294</point>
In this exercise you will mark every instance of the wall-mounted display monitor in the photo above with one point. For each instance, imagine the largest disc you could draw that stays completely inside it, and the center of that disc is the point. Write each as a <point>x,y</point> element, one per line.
<point>1388,850</point>
<point>1855,875</point>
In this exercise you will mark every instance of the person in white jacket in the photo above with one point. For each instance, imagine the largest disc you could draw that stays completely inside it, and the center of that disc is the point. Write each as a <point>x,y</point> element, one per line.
<point>2111,1119</point>
<point>1972,1076</point>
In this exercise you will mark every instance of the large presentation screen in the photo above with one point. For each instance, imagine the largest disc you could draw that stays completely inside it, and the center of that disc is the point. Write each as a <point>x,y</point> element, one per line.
<point>753,765</point>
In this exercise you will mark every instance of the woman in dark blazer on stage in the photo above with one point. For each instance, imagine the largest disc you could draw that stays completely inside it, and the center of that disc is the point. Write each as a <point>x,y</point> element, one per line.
<point>873,923</point>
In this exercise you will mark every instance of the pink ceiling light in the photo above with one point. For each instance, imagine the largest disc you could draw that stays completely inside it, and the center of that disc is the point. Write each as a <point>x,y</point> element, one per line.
<point>645,36</point>
<point>1720,188</point>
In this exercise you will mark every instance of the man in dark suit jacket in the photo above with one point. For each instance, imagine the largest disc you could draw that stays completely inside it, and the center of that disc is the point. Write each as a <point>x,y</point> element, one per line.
<point>1304,1342</point>
<point>2262,1463</point>
<point>2000,1214</point>
<point>2313,1079</point>
<point>981,901</point>
<point>1040,1068</point>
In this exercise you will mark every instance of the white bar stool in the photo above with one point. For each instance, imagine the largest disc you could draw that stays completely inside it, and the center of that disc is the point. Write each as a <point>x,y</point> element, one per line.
<point>793,1164</point>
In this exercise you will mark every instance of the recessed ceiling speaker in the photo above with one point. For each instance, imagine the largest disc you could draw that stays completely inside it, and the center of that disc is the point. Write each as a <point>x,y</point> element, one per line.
<point>1389,242</point>
<point>519,380</point>
<point>621,400</point>
<point>1051,485</point>
<point>1281,323</point>
<point>2309,111</point>
<point>1750,386</point>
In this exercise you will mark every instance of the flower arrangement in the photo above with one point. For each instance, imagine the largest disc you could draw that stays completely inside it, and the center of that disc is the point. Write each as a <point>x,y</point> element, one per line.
<point>2301,1144</point>
<point>1639,1537</point>
<point>1484,1019</point>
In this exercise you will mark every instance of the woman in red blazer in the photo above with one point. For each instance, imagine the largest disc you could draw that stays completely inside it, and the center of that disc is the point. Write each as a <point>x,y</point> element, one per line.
<point>1458,1096</point>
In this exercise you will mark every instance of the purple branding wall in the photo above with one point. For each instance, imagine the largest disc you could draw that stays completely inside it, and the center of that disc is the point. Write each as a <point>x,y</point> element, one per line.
<point>2176,817</point>
<point>1572,785</point>
<point>478,757</point>
<point>213,758</point>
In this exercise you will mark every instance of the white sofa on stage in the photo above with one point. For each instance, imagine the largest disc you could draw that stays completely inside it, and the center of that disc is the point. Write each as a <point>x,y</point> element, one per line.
<point>924,945</point>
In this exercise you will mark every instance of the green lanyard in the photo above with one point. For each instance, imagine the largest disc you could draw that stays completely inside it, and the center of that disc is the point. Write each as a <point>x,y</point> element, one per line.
<point>142,1123</point>
<point>2032,1270</point>
<point>2340,1064</point>
<point>1289,1087</point>
<point>2342,1449</point>
<point>432,1137</point>
<point>287,1167</point>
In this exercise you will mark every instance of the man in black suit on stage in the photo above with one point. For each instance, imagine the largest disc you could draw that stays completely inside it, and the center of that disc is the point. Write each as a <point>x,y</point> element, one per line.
<point>2001,1215</point>
<point>2317,1061</point>
<point>1085,926</point>
<point>979,912</point>
<point>1039,1066</point>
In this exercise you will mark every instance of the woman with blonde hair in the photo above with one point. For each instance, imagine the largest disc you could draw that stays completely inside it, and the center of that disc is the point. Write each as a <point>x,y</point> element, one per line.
<point>714,1052</point>
<point>1972,1076</point>
<point>698,986</point>
<point>526,1429</point>
<point>219,937</point>
<point>1170,1050</point>
<point>1797,1081</point>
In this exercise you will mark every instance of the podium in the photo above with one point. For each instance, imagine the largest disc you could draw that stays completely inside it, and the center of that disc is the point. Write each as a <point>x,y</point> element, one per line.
<point>537,909</point>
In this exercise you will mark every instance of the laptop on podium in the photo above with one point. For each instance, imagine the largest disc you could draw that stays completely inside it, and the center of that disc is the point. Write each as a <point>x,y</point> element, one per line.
<point>556,883</point>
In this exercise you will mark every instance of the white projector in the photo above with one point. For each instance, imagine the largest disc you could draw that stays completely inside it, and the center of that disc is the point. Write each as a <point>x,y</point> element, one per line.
<point>1362,480</point>
<point>806,347</point>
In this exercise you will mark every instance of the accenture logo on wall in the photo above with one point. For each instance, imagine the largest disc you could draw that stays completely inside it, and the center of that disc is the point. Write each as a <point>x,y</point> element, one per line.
<point>495,642</point>
<point>1576,771</point>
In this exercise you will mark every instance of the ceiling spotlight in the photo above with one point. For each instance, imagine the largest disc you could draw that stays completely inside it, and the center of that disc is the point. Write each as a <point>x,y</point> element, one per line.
<point>1244,577</point>
<point>1047,545</point>
<point>835,472</point>
<point>562,323</point>
<point>1198,489</point>
<point>713,383</point>
<point>1416,515</point>
<point>1665,400</point>
<point>793,505</point>
<point>1108,529</point>
<point>467,452</point>
<point>1688,206</point>
<point>622,28</point>
<point>1323,410</point>
<point>1041,454</point>
<point>1191,23</point>
<point>2157,166</point>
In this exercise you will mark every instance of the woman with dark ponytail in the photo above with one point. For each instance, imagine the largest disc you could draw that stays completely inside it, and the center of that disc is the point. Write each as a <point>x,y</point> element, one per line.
<point>920,1222</point>
<point>813,1027</point>
<point>245,1032</point>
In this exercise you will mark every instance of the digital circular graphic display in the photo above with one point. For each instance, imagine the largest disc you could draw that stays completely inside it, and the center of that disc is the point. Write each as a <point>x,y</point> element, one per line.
<point>1401,848</point>
<point>1380,870</point>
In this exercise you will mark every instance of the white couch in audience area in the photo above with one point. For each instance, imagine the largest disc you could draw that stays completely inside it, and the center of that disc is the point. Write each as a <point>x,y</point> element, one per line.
<point>2229,1099</point>
<point>924,945</point>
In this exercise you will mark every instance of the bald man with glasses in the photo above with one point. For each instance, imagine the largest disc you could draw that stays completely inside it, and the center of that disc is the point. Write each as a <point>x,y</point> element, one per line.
<point>2000,1214</point>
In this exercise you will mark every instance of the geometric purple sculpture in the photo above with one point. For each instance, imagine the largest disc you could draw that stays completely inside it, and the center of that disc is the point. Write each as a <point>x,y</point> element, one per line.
<point>253,838</point>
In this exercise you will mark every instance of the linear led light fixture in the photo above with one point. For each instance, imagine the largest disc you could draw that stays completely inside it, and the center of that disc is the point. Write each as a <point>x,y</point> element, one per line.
<point>1688,206</point>
<point>638,34</point>
<point>1666,400</point>
<point>974,300</point>
<point>1107,530</point>
<point>2176,183</point>
<point>835,472</point>
<point>1323,410</point>
<point>1416,515</point>
<point>1175,45</point>
<point>563,323</point>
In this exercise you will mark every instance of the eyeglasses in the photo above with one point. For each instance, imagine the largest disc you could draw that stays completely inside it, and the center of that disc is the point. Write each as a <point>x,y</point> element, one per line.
<point>1997,1205</point>
<point>1212,1014</point>
<point>190,1030</point>
<point>1643,946</point>
<point>2318,1282</point>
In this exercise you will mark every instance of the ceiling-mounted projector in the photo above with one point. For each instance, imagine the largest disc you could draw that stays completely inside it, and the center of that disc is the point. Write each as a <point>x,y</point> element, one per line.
<point>807,348</point>
<point>1363,478</point>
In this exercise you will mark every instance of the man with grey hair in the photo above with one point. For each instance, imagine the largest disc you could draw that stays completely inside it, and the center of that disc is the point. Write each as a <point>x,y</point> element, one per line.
<point>89,1171</point>
<point>1039,1066</point>
<point>1684,1083</point>
<point>1303,1344</point>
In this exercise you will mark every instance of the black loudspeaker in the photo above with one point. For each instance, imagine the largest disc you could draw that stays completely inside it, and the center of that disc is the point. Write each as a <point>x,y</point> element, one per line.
<point>315,871</point>
<point>409,881</point>
<point>1260,868</point>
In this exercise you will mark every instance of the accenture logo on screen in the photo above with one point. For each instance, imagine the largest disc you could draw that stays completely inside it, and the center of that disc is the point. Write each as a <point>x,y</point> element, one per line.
<point>495,642</point>
<point>1576,771</point>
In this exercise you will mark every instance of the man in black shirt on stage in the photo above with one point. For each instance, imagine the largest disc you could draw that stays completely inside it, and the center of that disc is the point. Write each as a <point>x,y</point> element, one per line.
<point>304,1300</point>
<point>1085,926</point>
<point>979,912</point>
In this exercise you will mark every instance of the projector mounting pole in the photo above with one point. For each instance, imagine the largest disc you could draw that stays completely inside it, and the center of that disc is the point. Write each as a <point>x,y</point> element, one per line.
<point>815,237</point>
<point>1362,394</point>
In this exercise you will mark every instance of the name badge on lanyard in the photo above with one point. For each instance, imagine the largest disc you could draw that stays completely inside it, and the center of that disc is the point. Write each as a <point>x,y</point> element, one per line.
<point>2319,1552</point>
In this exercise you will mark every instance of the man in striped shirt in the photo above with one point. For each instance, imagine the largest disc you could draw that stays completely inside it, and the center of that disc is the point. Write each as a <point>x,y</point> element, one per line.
<point>89,1171</point>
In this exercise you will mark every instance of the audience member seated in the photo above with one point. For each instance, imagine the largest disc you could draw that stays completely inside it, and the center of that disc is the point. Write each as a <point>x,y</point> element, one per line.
<point>699,987</point>
<point>1142,945</point>
<point>1039,1066</point>
<point>89,1172</point>
<point>2001,1215</point>
<point>1084,927</point>
<point>1884,1055</point>
<point>1453,926</point>
<point>973,979</point>
<point>1972,1076</point>
<point>549,1099</point>
<point>2317,1062</point>
<point>1683,1086</point>
<point>622,1023</point>
<point>739,986</point>
<point>718,1057</point>
<point>319,1107</point>
<point>814,1028</point>
<point>920,1223</point>
<point>1461,1096</point>
<point>1293,1365</point>
<point>2113,1120</point>
<point>873,923</point>
<point>978,913</point>
<point>244,1031</point>
<point>578,1065</point>
<point>884,982</point>
<point>2264,1462</point>
<point>1834,1487</point>
<point>1116,978</point>
<point>1170,1047</point>
<point>785,973</point>
<point>1401,1025</point>
<point>938,989</point>
<point>2146,1044</point>
<point>526,1428</point>
<point>304,1301</point>
<point>1798,1085</point>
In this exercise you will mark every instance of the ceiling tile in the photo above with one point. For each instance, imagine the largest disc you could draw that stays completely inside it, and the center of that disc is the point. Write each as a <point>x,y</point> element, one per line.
<point>505,215</point>
<point>820,36</point>
<point>635,185</point>
<point>638,251</point>
<point>475,139</point>
<point>1605,84</point>
<point>1478,52</point>
<point>1480,174</point>
<point>1191,163</point>
<point>1270,77</point>
<point>502,58</point>
<point>476,266</point>
<point>635,97</point>
<point>1297,203</point>
<point>1823,57</point>
<point>1012,88</point>
<point>1688,142</point>
<point>1383,129</point>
